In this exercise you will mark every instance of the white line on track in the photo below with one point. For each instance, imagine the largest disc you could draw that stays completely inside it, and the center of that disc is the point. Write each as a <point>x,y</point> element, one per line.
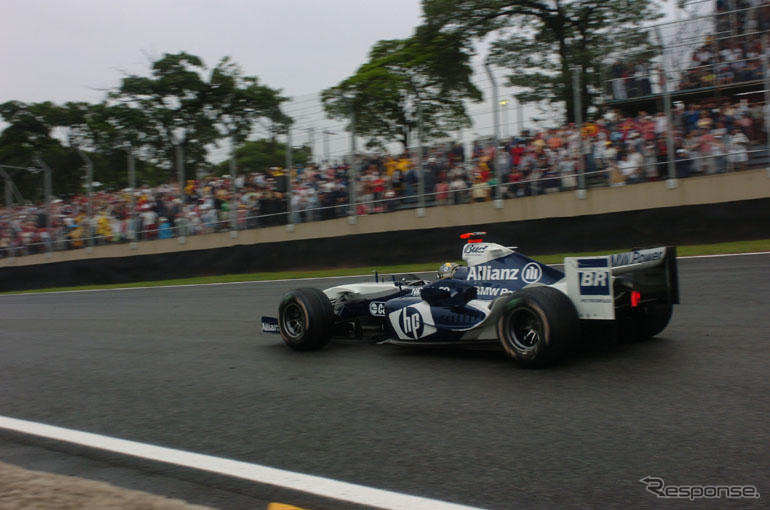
<point>321,277</point>
<point>717,255</point>
<point>325,487</point>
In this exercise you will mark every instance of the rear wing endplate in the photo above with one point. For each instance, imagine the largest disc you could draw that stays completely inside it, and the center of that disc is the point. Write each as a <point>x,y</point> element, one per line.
<point>591,280</point>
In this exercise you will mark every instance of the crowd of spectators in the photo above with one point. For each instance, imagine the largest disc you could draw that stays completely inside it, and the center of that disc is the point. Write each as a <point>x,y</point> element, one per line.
<point>630,79</point>
<point>610,150</point>
<point>731,54</point>
<point>721,62</point>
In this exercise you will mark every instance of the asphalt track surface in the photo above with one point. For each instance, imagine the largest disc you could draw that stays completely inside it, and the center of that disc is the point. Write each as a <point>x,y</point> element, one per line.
<point>185,368</point>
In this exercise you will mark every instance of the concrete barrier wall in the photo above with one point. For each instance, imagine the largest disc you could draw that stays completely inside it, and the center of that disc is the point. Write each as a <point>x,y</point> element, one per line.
<point>714,189</point>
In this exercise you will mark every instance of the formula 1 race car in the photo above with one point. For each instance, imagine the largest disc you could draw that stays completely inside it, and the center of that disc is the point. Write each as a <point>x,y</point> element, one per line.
<point>537,313</point>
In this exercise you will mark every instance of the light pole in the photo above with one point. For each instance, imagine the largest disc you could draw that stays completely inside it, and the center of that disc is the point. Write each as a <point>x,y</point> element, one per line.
<point>180,137</point>
<point>311,143</point>
<point>326,134</point>
<point>506,128</point>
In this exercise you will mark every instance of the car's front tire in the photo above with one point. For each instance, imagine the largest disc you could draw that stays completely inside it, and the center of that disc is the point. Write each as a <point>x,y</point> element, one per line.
<point>538,326</point>
<point>305,319</point>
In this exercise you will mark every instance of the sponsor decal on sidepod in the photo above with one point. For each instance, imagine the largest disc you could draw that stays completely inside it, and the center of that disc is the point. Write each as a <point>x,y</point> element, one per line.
<point>414,321</point>
<point>530,274</point>
<point>377,309</point>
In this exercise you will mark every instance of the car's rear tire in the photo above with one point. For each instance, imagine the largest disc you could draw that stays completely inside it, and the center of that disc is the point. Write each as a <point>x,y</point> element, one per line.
<point>305,319</point>
<point>653,319</point>
<point>539,326</point>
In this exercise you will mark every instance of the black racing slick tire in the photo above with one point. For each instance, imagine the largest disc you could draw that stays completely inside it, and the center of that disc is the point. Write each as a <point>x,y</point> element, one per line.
<point>538,326</point>
<point>305,319</point>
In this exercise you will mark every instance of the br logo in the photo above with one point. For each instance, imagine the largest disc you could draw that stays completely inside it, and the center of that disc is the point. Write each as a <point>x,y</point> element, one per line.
<point>411,323</point>
<point>594,283</point>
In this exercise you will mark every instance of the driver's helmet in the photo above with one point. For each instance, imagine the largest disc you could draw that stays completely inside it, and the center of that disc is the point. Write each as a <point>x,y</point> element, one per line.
<point>447,270</point>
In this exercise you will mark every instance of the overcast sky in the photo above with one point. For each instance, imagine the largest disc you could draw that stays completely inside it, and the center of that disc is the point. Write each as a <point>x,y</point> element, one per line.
<point>69,50</point>
<point>75,50</point>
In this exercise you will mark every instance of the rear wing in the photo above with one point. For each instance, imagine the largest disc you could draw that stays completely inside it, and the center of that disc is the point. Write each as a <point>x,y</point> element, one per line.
<point>599,285</point>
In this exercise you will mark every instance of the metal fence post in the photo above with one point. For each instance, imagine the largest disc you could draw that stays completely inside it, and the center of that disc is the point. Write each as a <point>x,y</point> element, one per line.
<point>289,188</point>
<point>132,187</point>
<point>180,170</point>
<point>420,163</point>
<point>578,107</point>
<point>8,189</point>
<point>89,191</point>
<point>352,174</point>
<point>498,202</point>
<point>233,191</point>
<point>48,191</point>
<point>9,205</point>
<point>766,74</point>
<point>671,182</point>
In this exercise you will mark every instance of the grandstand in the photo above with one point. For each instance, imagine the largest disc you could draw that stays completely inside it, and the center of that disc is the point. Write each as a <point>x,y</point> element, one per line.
<point>712,71</point>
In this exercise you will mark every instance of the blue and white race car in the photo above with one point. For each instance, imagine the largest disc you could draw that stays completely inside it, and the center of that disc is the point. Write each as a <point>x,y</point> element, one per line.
<point>535,312</point>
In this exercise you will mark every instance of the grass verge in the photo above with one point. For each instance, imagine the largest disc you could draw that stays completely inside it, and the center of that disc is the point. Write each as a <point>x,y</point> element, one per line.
<point>762,245</point>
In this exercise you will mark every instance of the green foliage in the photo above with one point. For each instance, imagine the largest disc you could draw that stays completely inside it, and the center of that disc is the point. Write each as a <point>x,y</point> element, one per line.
<point>146,113</point>
<point>538,41</point>
<point>100,130</point>
<point>235,102</point>
<point>260,155</point>
<point>177,105</point>
<point>172,104</point>
<point>429,70</point>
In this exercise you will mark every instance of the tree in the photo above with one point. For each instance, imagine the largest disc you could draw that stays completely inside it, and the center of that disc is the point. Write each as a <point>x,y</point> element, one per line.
<point>101,130</point>
<point>236,102</point>
<point>146,113</point>
<point>259,155</point>
<point>172,102</point>
<point>177,105</point>
<point>430,69</point>
<point>28,135</point>
<point>540,40</point>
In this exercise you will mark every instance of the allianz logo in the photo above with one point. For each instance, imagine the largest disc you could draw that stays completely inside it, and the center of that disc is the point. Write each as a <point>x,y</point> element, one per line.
<point>531,273</point>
